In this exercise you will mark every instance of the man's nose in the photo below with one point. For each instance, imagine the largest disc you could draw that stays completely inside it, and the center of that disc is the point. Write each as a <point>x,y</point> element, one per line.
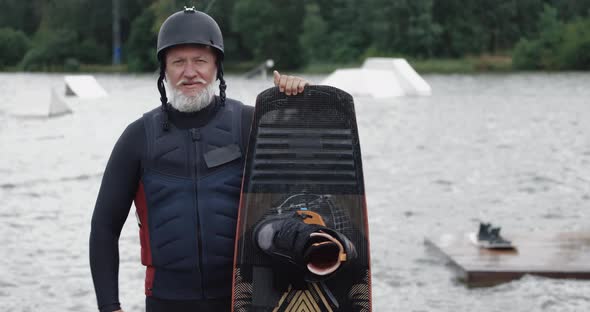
<point>190,71</point>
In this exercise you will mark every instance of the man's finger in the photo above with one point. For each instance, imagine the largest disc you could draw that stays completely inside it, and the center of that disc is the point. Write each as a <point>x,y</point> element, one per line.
<point>283,83</point>
<point>302,84</point>
<point>289,89</point>
<point>277,77</point>
<point>295,86</point>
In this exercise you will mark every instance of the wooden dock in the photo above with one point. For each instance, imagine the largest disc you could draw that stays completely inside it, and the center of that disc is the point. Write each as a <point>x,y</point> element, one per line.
<point>557,255</point>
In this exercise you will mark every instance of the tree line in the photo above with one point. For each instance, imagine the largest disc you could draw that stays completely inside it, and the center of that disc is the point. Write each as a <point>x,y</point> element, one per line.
<point>538,34</point>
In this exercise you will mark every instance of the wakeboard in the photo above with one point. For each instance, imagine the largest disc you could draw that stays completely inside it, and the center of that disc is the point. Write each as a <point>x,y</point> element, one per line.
<point>303,156</point>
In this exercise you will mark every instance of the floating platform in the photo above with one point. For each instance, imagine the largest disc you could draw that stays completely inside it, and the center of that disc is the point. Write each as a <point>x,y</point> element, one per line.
<point>556,255</point>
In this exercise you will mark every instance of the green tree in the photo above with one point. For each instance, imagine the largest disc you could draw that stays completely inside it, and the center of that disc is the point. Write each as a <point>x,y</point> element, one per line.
<point>20,15</point>
<point>550,37</point>
<point>89,22</point>
<point>13,45</point>
<point>347,23</point>
<point>482,26</point>
<point>315,31</point>
<point>50,48</point>
<point>222,12</point>
<point>575,50</point>
<point>541,51</point>
<point>499,32</point>
<point>422,31</point>
<point>269,29</point>
<point>526,55</point>
<point>569,10</point>
<point>162,9</point>
<point>527,16</point>
<point>460,30</point>
<point>141,46</point>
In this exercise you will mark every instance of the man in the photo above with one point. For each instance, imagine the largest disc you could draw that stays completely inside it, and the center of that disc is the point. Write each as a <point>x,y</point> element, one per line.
<point>182,166</point>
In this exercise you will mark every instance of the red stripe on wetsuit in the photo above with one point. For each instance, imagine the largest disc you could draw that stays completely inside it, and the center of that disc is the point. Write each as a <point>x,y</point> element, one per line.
<point>144,237</point>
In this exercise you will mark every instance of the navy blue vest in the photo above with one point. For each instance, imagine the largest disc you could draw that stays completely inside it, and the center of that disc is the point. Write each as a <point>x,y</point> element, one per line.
<point>192,180</point>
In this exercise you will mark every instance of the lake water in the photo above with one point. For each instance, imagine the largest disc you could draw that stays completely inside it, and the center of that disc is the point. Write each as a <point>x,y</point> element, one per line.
<point>511,149</point>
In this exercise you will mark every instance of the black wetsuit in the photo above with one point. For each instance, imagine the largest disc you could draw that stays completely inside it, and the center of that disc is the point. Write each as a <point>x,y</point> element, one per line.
<point>117,191</point>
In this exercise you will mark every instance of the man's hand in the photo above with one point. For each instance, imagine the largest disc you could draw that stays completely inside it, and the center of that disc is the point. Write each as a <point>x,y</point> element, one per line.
<point>290,85</point>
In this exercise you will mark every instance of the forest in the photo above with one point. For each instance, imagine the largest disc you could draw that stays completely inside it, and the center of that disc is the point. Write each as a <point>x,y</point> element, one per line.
<point>63,35</point>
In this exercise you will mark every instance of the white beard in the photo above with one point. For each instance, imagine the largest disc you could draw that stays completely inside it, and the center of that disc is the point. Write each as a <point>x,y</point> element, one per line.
<point>191,104</point>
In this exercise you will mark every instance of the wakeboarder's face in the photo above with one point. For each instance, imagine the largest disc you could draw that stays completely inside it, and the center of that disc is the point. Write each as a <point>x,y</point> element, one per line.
<point>190,68</point>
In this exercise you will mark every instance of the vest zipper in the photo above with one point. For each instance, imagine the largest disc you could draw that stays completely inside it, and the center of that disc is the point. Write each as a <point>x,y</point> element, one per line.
<point>195,138</point>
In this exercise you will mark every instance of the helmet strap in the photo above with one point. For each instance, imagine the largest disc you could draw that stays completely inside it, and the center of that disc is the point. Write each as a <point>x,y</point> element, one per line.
<point>222,85</point>
<point>163,98</point>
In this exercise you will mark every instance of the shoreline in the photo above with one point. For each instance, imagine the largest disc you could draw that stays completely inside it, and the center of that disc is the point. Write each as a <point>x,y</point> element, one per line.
<point>466,65</point>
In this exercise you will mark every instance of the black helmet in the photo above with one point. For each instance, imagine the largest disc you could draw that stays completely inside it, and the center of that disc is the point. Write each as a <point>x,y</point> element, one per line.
<point>189,26</point>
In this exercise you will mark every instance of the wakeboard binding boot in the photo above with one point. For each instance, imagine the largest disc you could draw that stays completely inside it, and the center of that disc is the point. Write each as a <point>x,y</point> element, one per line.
<point>301,239</point>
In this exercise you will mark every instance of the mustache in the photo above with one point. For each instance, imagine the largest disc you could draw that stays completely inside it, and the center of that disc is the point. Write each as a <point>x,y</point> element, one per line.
<point>196,80</point>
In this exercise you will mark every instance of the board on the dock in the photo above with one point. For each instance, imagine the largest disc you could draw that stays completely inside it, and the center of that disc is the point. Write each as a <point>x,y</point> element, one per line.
<point>303,154</point>
<point>489,237</point>
<point>501,244</point>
